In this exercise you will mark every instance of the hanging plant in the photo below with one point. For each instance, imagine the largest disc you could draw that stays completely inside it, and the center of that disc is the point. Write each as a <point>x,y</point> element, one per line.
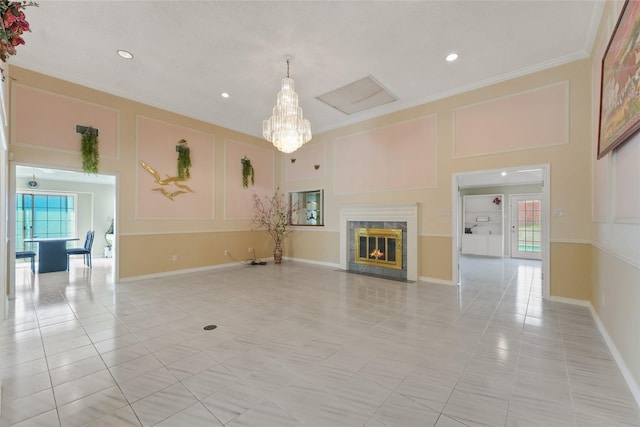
<point>247,171</point>
<point>90,153</point>
<point>184,159</point>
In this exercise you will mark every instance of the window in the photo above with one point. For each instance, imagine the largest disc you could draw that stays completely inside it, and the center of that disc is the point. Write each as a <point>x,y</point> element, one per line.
<point>44,215</point>
<point>310,209</point>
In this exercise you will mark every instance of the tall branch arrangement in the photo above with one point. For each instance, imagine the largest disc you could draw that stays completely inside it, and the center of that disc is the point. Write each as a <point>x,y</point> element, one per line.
<point>273,214</point>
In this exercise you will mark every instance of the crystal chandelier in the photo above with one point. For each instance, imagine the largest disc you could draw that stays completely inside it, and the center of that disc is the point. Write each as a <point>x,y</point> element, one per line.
<point>287,129</point>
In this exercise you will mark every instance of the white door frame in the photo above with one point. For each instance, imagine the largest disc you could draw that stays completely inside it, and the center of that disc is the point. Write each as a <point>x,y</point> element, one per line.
<point>456,221</point>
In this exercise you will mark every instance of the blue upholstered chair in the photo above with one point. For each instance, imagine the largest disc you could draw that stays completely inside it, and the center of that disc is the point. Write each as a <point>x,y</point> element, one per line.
<point>85,250</point>
<point>28,254</point>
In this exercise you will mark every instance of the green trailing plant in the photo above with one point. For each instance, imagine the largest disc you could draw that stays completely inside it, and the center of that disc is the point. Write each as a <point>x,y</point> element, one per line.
<point>247,172</point>
<point>90,153</point>
<point>184,159</point>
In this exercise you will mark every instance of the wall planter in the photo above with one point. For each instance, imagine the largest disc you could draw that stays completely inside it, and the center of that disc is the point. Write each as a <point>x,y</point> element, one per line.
<point>247,172</point>
<point>90,152</point>
<point>184,159</point>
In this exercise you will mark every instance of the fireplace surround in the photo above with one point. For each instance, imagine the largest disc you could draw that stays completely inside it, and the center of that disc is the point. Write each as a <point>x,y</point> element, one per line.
<point>382,216</point>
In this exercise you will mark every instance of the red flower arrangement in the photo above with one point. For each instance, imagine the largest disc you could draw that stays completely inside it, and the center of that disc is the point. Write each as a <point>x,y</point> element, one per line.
<point>497,201</point>
<point>14,24</point>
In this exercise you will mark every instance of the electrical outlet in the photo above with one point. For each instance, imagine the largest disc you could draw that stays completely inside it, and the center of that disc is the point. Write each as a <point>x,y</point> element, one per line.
<point>250,250</point>
<point>226,252</point>
<point>174,258</point>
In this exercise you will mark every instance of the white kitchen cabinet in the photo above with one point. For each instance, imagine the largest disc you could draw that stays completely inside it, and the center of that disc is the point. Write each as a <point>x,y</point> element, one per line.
<point>483,225</point>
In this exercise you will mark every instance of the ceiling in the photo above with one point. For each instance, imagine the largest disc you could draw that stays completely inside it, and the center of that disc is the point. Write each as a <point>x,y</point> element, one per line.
<point>29,173</point>
<point>186,53</point>
<point>498,178</point>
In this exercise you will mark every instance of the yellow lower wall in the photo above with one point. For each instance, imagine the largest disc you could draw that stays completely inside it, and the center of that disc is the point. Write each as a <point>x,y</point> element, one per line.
<point>141,255</point>
<point>570,271</point>
<point>313,245</point>
<point>435,258</point>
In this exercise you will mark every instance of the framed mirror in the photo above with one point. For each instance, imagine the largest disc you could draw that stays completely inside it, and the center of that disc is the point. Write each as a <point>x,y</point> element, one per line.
<point>310,205</point>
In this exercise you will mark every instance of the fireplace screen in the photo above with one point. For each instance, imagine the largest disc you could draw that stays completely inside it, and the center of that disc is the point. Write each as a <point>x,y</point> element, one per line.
<point>378,246</point>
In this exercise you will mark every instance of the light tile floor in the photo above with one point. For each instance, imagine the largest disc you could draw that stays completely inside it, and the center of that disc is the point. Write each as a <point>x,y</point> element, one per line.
<point>304,345</point>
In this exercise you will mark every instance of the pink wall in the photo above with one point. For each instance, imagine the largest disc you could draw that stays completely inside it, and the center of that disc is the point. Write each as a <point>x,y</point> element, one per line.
<point>397,157</point>
<point>305,160</point>
<point>157,147</point>
<point>48,120</point>
<point>530,119</point>
<point>238,200</point>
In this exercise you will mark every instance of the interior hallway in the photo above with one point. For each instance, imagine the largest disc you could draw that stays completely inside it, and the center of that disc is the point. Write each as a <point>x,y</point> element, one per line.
<point>304,345</point>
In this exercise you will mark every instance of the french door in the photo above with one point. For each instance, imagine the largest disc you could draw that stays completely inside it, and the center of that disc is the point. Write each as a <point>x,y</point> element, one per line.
<point>526,226</point>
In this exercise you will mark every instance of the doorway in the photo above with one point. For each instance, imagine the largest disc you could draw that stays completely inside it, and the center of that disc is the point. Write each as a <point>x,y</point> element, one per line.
<point>51,202</point>
<point>507,179</point>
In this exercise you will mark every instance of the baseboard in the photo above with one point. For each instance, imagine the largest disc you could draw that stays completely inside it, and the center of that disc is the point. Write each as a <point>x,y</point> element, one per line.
<point>572,301</point>
<point>617,357</point>
<point>436,281</point>
<point>177,272</point>
<point>309,261</point>
<point>216,267</point>
<point>332,265</point>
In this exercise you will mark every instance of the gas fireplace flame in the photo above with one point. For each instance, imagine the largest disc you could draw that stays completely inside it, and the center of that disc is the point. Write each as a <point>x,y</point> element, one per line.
<point>377,253</point>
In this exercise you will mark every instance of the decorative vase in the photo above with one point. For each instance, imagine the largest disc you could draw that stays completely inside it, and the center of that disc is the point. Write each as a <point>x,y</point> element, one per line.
<point>277,253</point>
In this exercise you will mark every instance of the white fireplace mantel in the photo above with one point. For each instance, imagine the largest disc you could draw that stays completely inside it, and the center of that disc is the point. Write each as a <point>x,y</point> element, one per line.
<point>401,212</point>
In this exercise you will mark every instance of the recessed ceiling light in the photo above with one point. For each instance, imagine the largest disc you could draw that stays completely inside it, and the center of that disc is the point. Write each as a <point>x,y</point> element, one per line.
<point>451,57</point>
<point>224,94</point>
<point>503,174</point>
<point>125,54</point>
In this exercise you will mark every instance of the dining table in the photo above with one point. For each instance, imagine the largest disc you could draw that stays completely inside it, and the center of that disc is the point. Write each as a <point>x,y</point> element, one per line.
<point>52,252</point>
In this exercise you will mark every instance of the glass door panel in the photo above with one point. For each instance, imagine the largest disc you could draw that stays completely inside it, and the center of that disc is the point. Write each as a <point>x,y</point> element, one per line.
<point>526,232</point>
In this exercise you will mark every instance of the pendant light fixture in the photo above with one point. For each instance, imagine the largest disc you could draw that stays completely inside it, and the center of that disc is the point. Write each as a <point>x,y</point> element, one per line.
<point>33,183</point>
<point>287,129</point>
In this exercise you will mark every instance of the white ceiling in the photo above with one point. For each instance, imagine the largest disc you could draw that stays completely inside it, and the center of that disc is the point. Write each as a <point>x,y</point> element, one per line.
<point>28,173</point>
<point>532,175</point>
<point>186,52</point>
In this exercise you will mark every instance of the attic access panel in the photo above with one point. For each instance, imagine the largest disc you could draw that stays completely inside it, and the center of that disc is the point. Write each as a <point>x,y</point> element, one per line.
<point>358,96</point>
